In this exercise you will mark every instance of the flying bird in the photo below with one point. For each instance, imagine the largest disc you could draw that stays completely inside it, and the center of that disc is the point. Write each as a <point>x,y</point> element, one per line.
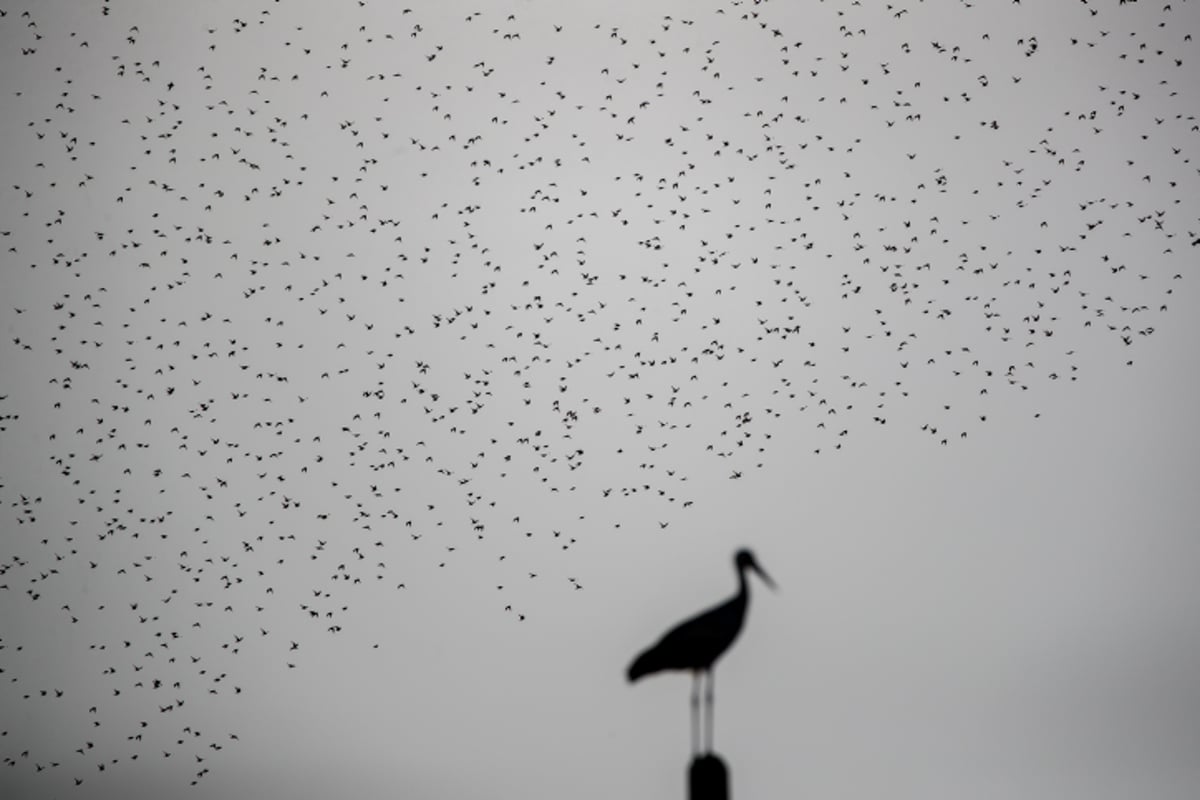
<point>697,643</point>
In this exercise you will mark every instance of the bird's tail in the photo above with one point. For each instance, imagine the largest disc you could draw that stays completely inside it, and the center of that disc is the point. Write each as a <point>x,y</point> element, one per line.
<point>644,664</point>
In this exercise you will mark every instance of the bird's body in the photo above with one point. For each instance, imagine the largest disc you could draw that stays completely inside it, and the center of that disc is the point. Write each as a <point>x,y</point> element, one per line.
<point>697,643</point>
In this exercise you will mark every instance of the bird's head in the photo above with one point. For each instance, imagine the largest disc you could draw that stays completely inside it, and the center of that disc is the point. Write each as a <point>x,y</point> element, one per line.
<point>745,560</point>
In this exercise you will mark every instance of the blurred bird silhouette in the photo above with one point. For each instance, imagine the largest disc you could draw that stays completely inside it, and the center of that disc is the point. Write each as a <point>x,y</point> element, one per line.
<point>697,643</point>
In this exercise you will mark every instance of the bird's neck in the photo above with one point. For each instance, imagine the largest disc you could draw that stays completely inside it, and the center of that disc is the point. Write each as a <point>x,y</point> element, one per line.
<point>743,586</point>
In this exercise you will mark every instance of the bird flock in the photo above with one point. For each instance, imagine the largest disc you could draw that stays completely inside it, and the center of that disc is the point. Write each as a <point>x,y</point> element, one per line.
<point>303,307</point>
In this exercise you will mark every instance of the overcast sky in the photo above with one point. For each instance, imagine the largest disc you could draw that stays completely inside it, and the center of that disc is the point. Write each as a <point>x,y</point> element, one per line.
<point>376,382</point>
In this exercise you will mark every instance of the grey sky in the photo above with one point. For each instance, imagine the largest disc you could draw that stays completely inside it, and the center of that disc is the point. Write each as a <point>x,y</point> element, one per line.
<point>376,383</point>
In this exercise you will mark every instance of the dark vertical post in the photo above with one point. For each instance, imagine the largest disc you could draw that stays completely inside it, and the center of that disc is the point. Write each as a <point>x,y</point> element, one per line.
<point>708,779</point>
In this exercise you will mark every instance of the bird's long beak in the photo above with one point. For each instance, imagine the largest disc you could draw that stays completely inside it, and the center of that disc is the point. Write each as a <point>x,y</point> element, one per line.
<point>766,578</point>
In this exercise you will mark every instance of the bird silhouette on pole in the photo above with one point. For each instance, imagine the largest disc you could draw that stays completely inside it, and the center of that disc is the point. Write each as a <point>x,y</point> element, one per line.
<point>697,643</point>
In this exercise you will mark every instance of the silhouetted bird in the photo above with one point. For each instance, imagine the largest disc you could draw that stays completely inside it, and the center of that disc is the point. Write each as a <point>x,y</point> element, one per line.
<point>697,643</point>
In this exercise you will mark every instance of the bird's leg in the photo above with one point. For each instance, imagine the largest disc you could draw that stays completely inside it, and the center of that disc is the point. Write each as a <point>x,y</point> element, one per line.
<point>708,701</point>
<point>695,713</point>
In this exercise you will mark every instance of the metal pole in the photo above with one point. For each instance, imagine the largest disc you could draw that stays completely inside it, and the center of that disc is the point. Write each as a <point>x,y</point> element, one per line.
<point>708,779</point>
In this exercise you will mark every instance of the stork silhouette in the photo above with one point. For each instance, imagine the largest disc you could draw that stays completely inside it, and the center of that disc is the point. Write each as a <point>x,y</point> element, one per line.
<point>697,643</point>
